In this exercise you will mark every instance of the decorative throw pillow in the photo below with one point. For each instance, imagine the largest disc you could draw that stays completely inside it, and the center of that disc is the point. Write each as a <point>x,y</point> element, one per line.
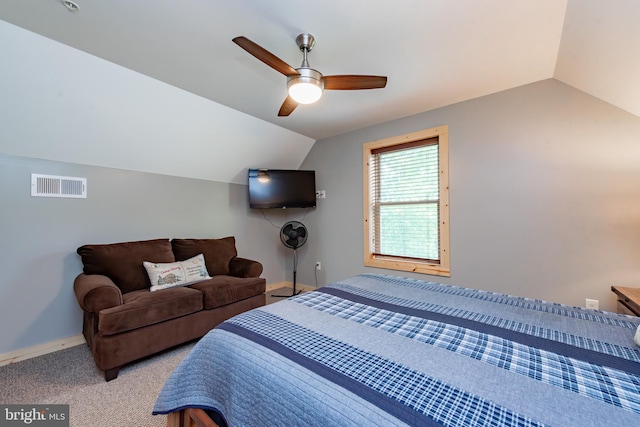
<point>168,275</point>
<point>637,337</point>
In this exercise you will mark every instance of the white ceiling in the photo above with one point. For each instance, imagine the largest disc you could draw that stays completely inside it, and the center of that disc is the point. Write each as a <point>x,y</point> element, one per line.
<point>434,53</point>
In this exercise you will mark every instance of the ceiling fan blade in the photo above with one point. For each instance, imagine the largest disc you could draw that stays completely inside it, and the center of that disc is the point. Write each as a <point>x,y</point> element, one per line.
<point>287,107</point>
<point>265,56</point>
<point>354,82</point>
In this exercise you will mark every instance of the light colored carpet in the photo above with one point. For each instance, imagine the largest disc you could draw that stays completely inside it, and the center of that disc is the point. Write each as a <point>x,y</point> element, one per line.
<point>70,376</point>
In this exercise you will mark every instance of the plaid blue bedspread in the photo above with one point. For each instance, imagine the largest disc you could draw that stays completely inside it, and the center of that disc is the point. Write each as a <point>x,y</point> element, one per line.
<point>377,350</point>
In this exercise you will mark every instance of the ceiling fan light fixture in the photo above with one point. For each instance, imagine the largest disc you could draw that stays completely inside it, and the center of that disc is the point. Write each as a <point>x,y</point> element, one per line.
<point>307,87</point>
<point>305,93</point>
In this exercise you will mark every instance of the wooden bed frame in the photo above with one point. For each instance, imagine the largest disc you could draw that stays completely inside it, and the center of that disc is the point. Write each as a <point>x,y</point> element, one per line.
<point>190,417</point>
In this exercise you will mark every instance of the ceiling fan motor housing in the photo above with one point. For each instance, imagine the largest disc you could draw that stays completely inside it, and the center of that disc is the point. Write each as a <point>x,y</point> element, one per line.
<point>310,79</point>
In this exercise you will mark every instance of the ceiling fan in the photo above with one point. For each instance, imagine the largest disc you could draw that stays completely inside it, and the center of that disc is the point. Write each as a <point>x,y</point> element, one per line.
<point>305,85</point>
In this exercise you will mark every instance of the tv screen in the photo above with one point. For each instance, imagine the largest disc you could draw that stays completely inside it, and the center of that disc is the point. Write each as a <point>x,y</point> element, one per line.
<point>279,188</point>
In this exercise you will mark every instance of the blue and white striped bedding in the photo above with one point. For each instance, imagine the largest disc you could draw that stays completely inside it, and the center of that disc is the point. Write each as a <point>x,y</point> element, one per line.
<point>382,350</point>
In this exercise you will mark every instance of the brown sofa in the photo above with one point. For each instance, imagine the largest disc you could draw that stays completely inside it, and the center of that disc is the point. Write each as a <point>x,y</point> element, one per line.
<point>124,320</point>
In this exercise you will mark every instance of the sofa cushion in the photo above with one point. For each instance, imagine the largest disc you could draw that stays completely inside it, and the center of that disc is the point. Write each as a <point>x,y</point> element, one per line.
<point>217,252</point>
<point>222,290</point>
<point>122,262</point>
<point>143,307</point>
<point>181,273</point>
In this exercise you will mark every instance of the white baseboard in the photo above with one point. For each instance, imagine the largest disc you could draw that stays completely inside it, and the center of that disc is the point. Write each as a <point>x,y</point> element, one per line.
<point>299,286</point>
<point>39,350</point>
<point>50,347</point>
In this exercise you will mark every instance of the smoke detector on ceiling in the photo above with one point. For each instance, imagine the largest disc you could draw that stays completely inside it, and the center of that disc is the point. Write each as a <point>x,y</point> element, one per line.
<point>73,7</point>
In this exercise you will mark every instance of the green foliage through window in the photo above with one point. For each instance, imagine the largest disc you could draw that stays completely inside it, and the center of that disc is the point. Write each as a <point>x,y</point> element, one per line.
<point>405,201</point>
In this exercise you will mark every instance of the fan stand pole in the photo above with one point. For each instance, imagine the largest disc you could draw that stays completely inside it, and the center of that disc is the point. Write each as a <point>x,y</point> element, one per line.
<point>294,293</point>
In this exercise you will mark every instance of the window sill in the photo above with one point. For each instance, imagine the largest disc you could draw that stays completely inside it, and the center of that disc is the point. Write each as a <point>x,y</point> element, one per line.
<point>411,266</point>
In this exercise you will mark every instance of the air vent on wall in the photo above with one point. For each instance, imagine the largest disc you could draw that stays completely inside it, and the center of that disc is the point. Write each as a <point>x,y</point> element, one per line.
<point>58,186</point>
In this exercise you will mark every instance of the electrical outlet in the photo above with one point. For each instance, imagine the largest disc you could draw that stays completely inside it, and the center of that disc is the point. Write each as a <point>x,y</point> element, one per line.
<point>321,194</point>
<point>318,265</point>
<point>592,303</point>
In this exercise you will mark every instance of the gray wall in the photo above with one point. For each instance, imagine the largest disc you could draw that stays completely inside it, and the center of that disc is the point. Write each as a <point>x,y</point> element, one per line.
<point>544,195</point>
<point>40,236</point>
<point>73,108</point>
<point>545,202</point>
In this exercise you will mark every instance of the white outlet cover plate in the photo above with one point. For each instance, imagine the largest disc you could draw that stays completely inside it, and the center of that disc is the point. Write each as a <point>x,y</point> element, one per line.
<point>592,303</point>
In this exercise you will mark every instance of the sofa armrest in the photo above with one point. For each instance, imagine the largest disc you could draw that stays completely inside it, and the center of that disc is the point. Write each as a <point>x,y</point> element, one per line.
<point>242,267</point>
<point>96,292</point>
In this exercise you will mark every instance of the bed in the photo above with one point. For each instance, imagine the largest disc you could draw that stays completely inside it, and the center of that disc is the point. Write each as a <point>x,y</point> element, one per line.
<point>379,350</point>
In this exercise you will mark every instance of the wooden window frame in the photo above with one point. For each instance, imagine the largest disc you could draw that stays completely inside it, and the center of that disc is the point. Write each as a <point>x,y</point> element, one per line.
<point>441,268</point>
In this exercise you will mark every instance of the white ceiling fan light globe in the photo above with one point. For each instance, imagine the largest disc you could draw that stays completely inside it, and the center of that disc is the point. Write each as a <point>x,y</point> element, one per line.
<point>305,93</point>
<point>307,87</point>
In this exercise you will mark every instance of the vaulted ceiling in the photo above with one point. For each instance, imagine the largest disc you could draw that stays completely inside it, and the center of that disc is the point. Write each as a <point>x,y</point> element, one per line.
<point>434,53</point>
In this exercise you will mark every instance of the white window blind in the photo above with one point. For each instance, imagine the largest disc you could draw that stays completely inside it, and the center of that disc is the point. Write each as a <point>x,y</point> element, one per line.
<point>405,200</point>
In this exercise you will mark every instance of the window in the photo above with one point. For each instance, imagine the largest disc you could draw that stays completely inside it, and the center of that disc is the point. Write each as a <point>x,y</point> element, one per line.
<point>406,202</point>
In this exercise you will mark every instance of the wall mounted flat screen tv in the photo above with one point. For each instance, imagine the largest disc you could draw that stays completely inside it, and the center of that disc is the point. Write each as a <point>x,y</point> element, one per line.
<point>280,188</point>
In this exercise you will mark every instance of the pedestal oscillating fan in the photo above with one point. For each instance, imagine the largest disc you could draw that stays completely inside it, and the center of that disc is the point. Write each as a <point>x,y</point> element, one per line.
<point>293,234</point>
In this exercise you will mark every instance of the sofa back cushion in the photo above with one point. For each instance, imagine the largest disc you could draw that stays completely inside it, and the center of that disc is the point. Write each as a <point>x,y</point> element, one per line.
<point>122,262</point>
<point>218,253</point>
